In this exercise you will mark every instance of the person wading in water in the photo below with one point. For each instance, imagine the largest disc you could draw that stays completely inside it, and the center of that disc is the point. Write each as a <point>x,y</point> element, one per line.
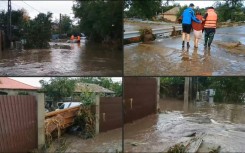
<point>187,18</point>
<point>197,29</point>
<point>210,26</point>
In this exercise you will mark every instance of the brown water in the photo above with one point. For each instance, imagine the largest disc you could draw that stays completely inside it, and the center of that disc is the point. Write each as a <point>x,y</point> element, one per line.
<point>76,60</point>
<point>221,124</point>
<point>166,57</point>
<point>110,142</point>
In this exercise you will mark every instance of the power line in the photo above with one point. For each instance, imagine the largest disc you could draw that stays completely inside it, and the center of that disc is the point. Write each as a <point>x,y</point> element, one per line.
<point>31,6</point>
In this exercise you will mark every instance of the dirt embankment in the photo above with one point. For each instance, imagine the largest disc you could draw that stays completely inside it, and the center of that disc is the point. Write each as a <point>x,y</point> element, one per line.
<point>229,24</point>
<point>233,47</point>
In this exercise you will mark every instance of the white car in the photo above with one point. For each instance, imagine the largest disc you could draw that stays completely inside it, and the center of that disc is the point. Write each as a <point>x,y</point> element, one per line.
<point>65,105</point>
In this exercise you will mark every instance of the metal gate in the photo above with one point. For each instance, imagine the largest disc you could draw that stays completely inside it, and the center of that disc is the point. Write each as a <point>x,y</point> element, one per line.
<point>140,97</point>
<point>110,113</point>
<point>18,123</point>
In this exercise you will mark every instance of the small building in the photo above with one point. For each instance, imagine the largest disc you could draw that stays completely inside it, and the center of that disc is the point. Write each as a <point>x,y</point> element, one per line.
<point>9,86</point>
<point>81,88</point>
<point>171,15</point>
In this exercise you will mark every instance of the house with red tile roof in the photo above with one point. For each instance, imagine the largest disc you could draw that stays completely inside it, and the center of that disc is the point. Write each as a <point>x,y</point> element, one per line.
<point>9,86</point>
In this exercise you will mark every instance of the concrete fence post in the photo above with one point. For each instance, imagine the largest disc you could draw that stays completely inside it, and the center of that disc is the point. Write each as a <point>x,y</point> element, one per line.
<point>40,119</point>
<point>158,93</point>
<point>97,114</point>
<point>186,93</point>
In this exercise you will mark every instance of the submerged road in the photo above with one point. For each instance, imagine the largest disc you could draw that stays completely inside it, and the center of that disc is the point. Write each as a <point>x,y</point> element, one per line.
<point>71,59</point>
<point>166,56</point>
<point>221,124</point>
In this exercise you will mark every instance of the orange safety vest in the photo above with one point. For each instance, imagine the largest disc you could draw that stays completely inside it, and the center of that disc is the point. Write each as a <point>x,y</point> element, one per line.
<point>211,20</point>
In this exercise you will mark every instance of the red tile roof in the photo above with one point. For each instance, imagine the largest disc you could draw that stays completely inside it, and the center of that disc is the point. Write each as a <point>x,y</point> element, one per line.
<point>7,83</point>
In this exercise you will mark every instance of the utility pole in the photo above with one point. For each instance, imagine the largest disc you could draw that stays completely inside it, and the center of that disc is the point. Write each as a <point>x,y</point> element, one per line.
<point>60,24</point>
<point>10,23</point>
<point>186,93</point>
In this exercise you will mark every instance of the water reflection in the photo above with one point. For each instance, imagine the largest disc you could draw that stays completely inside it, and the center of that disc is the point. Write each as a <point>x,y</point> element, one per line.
<point>233,113</point>
<point>63,59</point>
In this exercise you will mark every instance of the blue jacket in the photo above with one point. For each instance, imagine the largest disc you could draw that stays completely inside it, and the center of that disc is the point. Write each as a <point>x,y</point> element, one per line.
<point>188,16</point>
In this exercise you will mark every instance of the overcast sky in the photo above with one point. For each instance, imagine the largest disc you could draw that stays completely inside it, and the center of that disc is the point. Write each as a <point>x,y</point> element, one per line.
<point>34,81</point>
<point>34,7</point>
<point>200,4</point>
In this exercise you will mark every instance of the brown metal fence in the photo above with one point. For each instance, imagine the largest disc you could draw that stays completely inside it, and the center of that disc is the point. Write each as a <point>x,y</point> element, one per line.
<point>140,97</point>
<point>110,113</point>
<point>18,123</point>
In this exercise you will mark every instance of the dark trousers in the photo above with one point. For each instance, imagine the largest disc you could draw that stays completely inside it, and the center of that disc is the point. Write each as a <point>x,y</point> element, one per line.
<point>209,36</point>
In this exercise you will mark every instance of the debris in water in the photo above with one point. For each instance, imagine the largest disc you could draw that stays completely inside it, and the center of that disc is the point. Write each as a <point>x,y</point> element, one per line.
<point>215,150</point>
<point>178,148</point>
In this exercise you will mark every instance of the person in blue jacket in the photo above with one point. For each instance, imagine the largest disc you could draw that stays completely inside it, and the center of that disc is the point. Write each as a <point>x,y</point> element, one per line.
<point>187,17</point>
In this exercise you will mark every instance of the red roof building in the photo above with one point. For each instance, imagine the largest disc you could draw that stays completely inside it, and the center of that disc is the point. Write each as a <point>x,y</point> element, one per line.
<point>10,84</point>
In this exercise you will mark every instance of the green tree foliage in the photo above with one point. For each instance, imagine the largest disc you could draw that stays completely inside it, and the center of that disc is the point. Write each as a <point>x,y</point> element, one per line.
<point>172,86</point>
<point>58,87</point>
<point>66,24</point>
<point>18,21</point>
<point>144,10</point>
<point>228,89</point>
<point>100,20</point>
<point>38,31</point>
<point>231,9</point>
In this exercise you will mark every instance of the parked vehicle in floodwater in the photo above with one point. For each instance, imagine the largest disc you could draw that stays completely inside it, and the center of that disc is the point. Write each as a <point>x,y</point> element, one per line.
<point>65,105</point>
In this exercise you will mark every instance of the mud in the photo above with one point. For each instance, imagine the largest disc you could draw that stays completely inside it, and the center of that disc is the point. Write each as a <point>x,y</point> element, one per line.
<point>62,59</point>
<point>166,57</point>
<point>110,142</point>
<point>221,124</point>
<point>233,47</point>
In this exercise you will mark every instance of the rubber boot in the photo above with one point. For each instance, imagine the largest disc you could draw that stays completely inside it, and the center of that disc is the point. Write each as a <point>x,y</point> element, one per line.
<point>188,45</point>
<point>183,44</point>
<point>205,40</point>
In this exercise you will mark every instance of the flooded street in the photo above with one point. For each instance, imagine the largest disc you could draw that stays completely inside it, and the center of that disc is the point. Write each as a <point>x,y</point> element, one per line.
<point>110,142</point>
<point>166,56</point>
<point>221,124</point>
<point>63,59</point>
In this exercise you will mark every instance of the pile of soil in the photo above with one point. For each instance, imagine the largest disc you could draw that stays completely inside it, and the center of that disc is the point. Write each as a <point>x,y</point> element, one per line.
<point>233,47</point>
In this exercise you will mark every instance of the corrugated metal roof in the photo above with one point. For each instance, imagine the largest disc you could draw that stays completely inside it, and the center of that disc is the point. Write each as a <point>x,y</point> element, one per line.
<point>7,83</point>
<point>172,11</point>
<point>83,87</point>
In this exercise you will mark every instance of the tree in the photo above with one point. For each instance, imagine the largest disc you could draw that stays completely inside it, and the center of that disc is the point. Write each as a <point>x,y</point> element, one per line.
<point>19,18</point>
<point>100,20</point>
<point>146,10</point>
<point>38,31</point>
<point>172,86</point>
<point>66,24</point>
<point>58,88</point>
<point>231,9</point>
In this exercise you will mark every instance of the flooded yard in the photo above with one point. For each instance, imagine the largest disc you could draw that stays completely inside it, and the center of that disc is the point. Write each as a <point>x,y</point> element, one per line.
<point>220,124</point>
<point>110,142</point>
<point>63,59</point>
<point>166,56</point>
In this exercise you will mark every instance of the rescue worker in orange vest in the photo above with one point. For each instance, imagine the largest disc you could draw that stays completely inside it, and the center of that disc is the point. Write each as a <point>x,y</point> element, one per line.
<point>72,37</point>
<point>210,26</point>
<point>78,39</point>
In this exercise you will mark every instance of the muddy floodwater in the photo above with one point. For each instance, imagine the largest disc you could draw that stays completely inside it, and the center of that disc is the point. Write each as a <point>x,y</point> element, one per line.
<point>62,59</point>
<point>221,124</point>
<point>109,142</point>
<point>165,56</point>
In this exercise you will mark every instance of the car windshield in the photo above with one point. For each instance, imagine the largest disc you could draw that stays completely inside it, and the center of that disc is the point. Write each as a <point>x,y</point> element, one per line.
<point>69,104</point>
